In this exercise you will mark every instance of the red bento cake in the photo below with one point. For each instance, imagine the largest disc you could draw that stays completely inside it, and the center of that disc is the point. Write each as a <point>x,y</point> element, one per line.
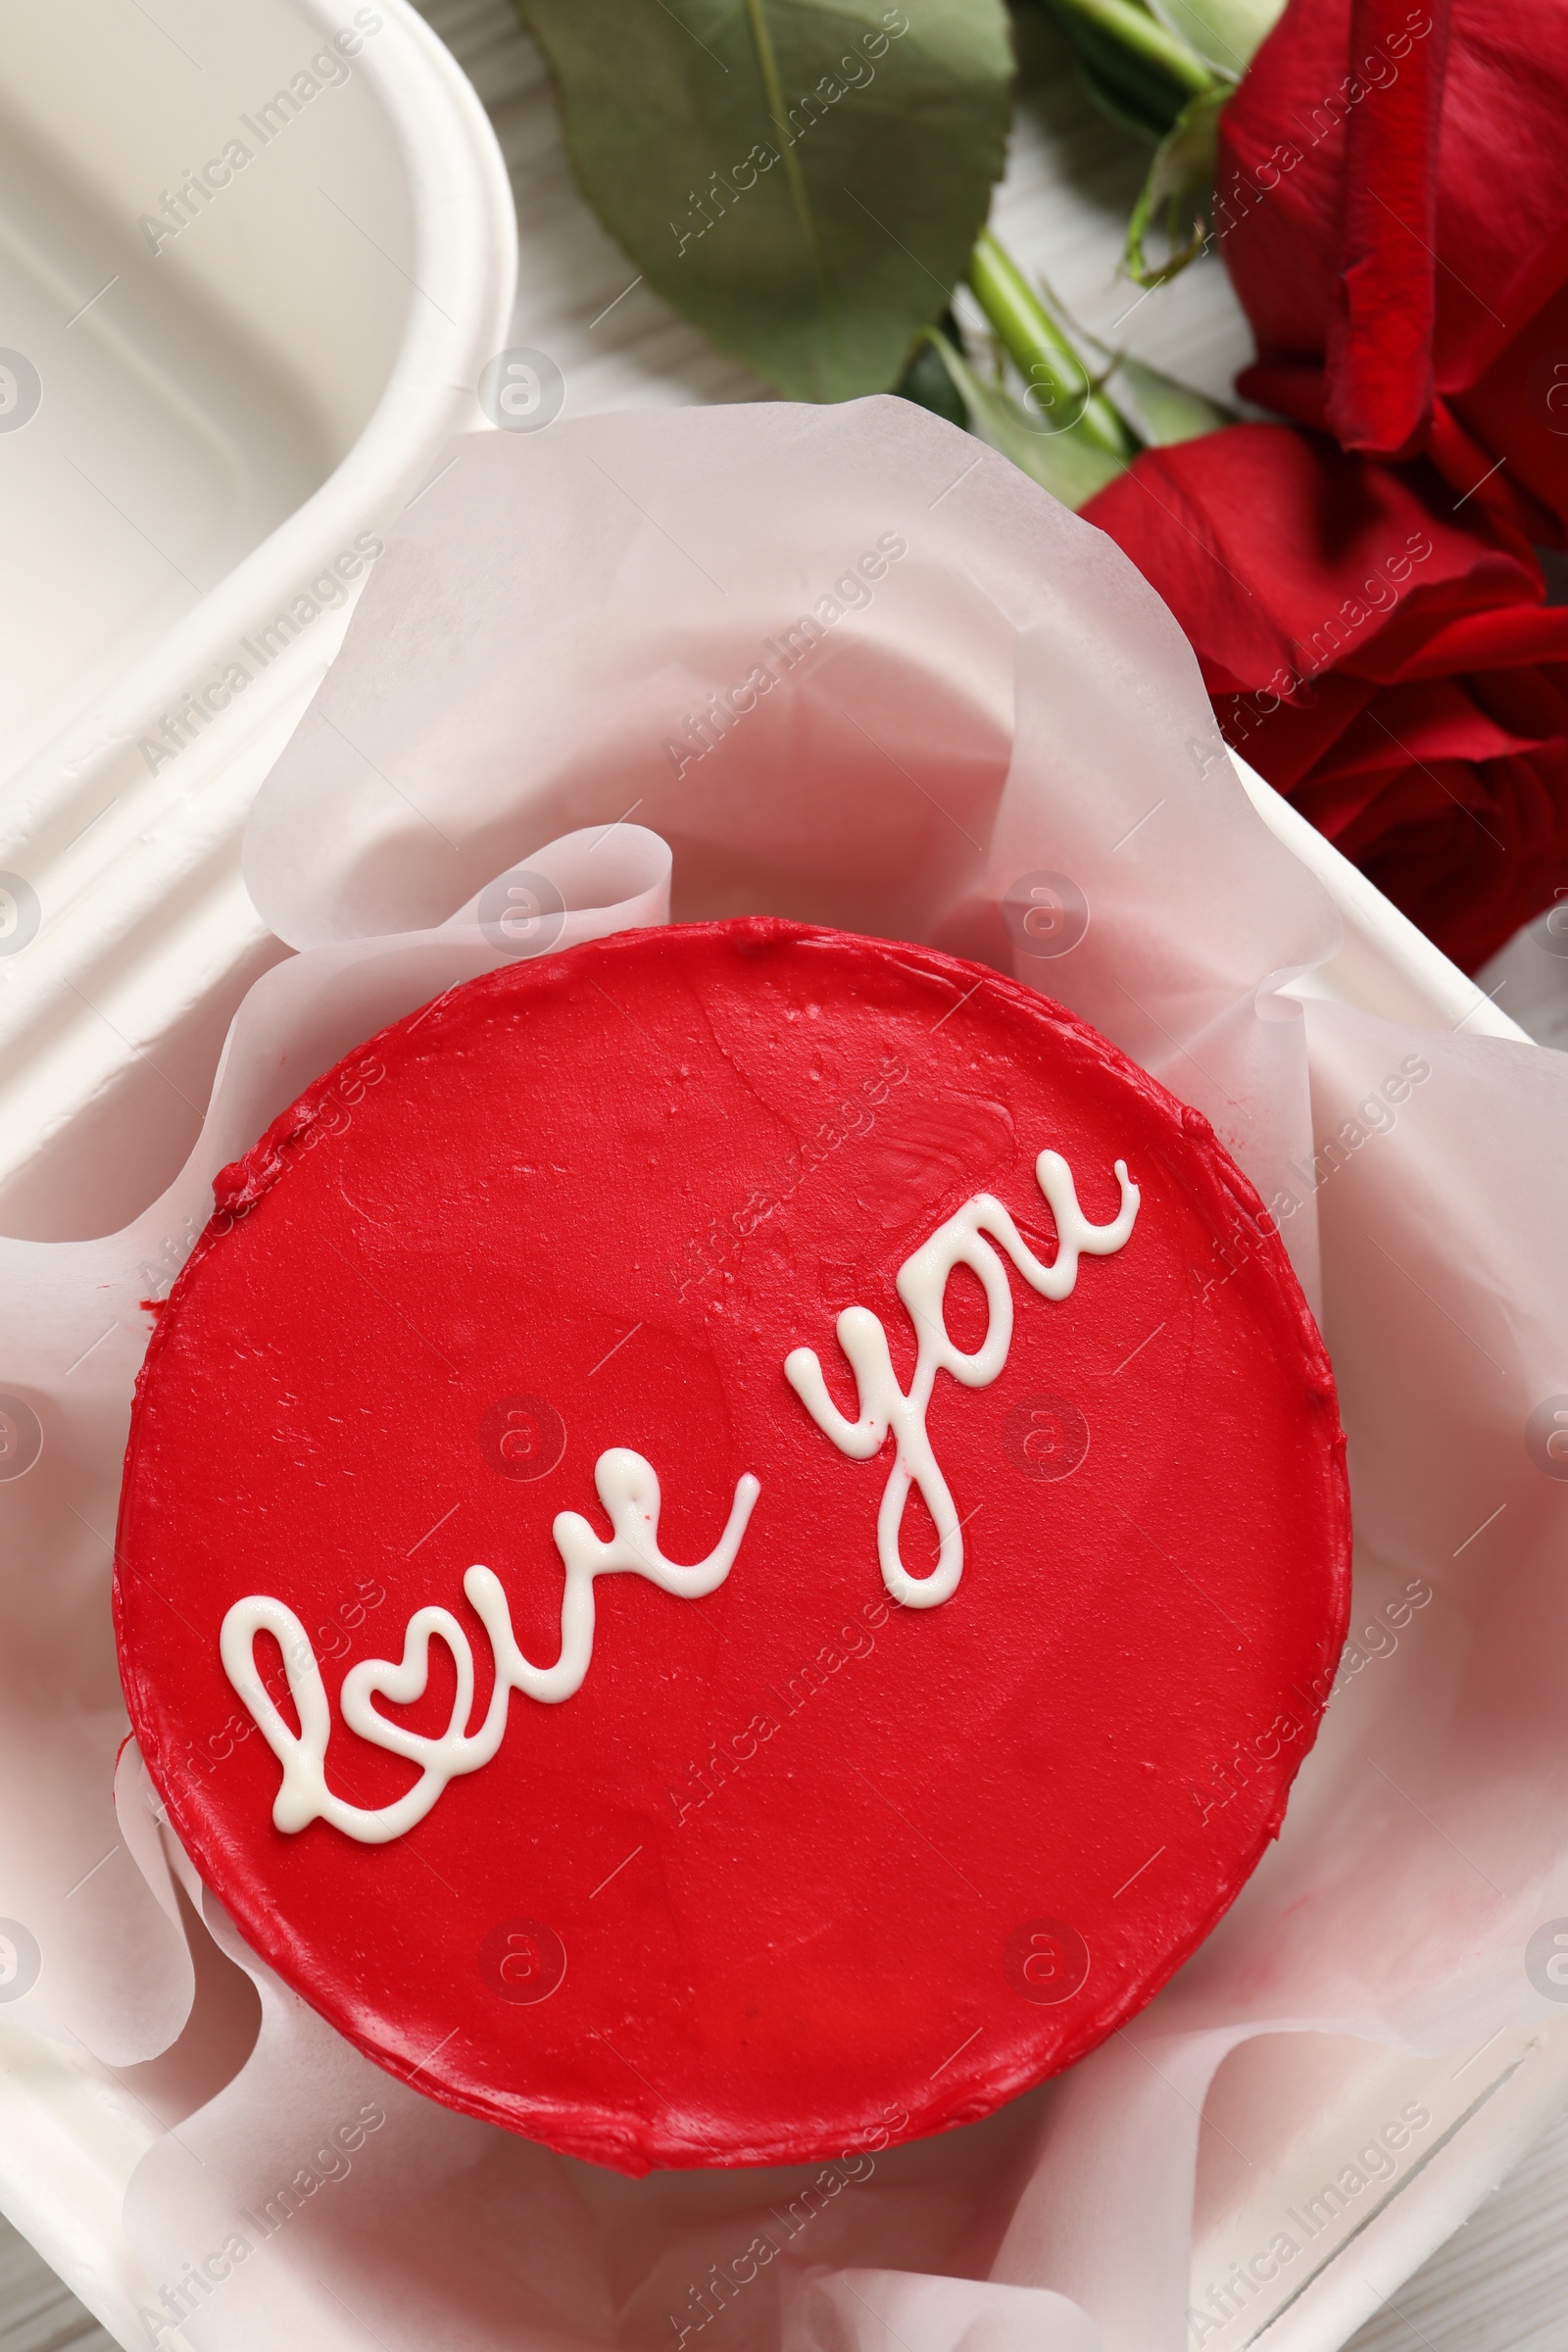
<point>739,1526</point>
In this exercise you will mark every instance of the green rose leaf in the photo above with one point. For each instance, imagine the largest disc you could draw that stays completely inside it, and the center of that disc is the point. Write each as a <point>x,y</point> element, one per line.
<point>803,180</point>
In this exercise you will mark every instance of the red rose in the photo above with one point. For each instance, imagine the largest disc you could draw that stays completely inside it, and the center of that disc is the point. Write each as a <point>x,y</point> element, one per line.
<point>1388,665</point>
<point>1392,206</point>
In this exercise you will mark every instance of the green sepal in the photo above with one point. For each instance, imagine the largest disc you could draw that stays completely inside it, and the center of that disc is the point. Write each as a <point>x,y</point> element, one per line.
<point>1177,195</point>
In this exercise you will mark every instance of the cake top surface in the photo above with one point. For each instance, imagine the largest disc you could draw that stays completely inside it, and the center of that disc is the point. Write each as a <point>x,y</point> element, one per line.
<point>703,1532</point>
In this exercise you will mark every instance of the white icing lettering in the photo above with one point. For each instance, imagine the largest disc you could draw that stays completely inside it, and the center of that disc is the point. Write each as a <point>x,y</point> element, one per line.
<point>885,1410</point>
<point>629,1488</point>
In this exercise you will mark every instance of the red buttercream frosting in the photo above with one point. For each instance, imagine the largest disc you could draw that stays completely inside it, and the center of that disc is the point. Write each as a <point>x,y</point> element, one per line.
<point>800,1867</point>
